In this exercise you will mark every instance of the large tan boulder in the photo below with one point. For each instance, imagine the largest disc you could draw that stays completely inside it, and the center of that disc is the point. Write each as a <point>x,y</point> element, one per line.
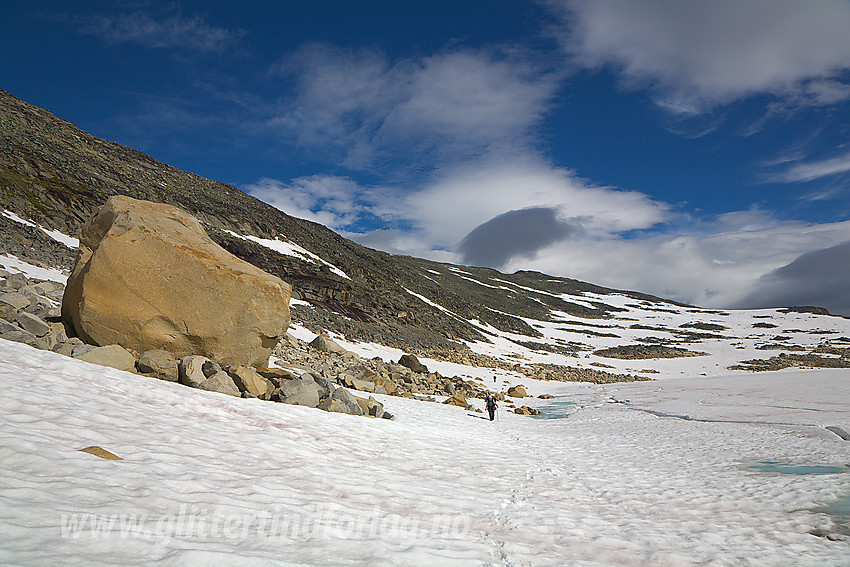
<point>148,277</point>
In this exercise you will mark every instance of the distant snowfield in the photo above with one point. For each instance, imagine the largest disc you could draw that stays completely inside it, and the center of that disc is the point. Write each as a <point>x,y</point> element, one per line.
<point>208,479</point>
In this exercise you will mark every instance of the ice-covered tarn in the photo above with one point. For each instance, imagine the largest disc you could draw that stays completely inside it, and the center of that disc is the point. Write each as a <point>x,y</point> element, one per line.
<point>688,471</point>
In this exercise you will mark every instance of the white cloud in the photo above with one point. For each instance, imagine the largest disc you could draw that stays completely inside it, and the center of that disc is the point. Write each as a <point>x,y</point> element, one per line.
<point>714,270</point>
<point>395,241</point>
<point>464,198</point>
<point>695,53</point>
<point>433,110</point>
<point>167,32</point>
<point>810,171</point>
<point>326,199</point>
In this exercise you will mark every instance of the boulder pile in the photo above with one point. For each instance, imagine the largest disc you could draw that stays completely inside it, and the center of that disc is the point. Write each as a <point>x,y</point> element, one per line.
<point>375,376</point>
<point>29,313</point>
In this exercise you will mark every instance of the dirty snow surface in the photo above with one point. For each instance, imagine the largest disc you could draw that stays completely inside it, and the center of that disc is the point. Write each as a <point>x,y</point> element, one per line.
<point>735,470</point>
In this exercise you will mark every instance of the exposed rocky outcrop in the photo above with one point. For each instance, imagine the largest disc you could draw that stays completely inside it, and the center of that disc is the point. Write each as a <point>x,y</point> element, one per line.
<point>643,352</point>
<point>148,277</point>
<point>792,360</point>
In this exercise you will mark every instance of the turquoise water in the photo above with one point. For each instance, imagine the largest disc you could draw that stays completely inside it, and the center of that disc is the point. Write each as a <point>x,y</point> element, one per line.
<point>840,507</point>
<point>839,510</point>
<point>556,409</point>
<point>785,468</point>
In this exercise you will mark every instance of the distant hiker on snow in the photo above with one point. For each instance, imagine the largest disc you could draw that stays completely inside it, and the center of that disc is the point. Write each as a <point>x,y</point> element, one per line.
<point>490,403</point>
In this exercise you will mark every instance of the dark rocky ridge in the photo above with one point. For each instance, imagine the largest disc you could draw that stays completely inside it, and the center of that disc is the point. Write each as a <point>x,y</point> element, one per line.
<point>55,174</point>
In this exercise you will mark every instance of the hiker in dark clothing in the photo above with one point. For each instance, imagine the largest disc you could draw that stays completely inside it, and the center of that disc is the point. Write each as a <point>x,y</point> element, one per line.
<point>490,403</point>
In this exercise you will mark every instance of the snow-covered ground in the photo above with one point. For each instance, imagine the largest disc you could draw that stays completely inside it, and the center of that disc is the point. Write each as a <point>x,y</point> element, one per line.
<point>208,479</point>
<point>703,466</point>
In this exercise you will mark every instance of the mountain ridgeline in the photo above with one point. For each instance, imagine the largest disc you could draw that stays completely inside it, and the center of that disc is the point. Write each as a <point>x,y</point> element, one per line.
<point>56,175</point>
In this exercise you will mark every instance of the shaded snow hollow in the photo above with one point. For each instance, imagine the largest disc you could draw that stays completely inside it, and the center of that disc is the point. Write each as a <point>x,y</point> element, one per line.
<point>215,480</point>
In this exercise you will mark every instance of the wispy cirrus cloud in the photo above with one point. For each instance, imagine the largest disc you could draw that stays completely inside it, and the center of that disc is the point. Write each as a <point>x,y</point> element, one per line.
<point>693,55</point>
<point>172,31</point>
<point>812,170</point>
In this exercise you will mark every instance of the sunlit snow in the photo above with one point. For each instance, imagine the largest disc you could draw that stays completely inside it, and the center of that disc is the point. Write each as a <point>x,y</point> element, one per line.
<point>290,249</point>
<point>13,264</point>
<point>215,480</point>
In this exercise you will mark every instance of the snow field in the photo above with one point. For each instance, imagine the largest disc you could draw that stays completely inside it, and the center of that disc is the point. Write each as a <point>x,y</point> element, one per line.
<point>210,479</point>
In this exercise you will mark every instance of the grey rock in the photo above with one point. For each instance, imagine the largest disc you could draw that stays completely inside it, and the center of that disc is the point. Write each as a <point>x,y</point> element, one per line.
<point>324,343</point>
<point>413,363</point>
<point>114,356</point>
<point>326,387</point>
<point>33,324</point>
<point>15,299</point>
<point>8,312</point>
<point>347,400</point>
<point>51,339</point>
<point>210,368</point>
<point>81,348</point>
<point>221,383</point>
<point>40,309</point>
<point>339,405</point>
<point>276,376</point>
<point>16,281</point>
<point>191,372</point>
<point>67,347</point>
<point>44,288</point>
<point>363,385</point>
<point>290,341</point>
<point>374,407</point>
<point>302,391</point>
<point>20,336</point>
<point>159,362</point>
<point>56,295</point>
<point>7,327</point>
<point>361,372</point>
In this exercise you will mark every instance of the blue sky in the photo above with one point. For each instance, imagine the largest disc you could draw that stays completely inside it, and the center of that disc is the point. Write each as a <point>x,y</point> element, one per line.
<point>693,150</point>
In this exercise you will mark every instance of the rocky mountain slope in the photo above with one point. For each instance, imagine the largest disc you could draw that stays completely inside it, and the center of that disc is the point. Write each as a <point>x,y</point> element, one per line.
<point>56,175</point>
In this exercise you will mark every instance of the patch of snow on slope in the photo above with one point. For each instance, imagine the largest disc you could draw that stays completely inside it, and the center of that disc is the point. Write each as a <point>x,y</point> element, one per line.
<point>427,301</point>
<point>56,235</point>
<point>482,284</point>
<point>13,264</point>
<point>290,249</point>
